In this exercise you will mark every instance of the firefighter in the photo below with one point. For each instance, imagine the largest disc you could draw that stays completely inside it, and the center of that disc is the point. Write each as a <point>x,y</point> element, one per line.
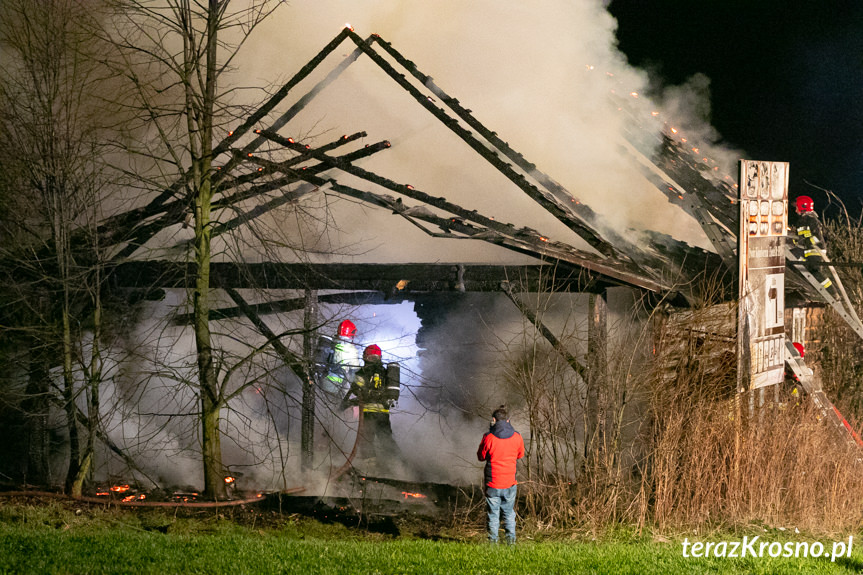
<point>792,383</point>
<point>808,240</point>
<point>375,390</point>
<point>339,359</point>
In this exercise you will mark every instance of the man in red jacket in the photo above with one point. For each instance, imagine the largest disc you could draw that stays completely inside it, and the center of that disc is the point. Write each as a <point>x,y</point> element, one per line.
<point>500,448</point>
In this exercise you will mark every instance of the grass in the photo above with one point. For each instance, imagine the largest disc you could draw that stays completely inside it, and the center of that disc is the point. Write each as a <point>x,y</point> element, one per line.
<point>56,539</point>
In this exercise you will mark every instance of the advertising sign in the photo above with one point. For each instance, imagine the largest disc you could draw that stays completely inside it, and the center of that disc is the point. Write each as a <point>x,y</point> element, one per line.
<point>763,200</point>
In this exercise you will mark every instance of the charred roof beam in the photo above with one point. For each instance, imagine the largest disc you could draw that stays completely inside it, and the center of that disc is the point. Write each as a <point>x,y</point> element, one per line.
<point>526,242</point>
<point>564,216</point>
<point>563,198</point>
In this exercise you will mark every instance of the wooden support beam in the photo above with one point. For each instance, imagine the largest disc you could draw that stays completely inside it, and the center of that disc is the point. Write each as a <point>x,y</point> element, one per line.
<point>369,277</point>
<point>543,329</point>
<point>307,417</point>
<point>291,360</point>
<point>597,374</point>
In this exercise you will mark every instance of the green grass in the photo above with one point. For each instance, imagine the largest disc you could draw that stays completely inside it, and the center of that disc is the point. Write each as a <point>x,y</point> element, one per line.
<point>36,540</point>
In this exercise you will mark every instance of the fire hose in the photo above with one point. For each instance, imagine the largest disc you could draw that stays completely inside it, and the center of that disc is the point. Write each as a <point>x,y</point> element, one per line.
<point>227,503</point>
<point>349,462</point>
<point>335,474</point>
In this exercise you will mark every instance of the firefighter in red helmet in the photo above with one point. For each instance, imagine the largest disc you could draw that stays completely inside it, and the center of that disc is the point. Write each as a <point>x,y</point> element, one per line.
<point>375,390</point>
<point>793,387</point>
<point>338,359</point>
<point>347,329</point>
<point>808,240</point>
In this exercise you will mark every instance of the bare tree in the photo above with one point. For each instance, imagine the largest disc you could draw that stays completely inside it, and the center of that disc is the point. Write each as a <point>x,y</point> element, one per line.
<point>176,54</point>
<point>51,129</point>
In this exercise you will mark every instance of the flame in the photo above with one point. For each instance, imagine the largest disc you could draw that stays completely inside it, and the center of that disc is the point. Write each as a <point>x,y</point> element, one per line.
<point>673,130</point>
<point>101,493</point>
<point>229,480</point>
<point>634,94</point>
<point>408,494</point>
<point>129,498</point>
<point>120,488</point>
<point>349,27</point>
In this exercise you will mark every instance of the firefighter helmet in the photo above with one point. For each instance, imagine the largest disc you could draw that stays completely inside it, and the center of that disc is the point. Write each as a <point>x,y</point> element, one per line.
<point>372,353</point>
<point>347,329</point>
<point>800,349</point>
<point>805,204</point>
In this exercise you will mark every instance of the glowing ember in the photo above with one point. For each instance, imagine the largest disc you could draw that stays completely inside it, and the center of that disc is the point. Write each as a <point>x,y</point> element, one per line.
<point>634,94</point>
<point>408,494</point>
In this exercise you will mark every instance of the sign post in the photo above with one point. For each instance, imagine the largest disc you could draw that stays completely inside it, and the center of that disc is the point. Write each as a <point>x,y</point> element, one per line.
<point>763,200</point>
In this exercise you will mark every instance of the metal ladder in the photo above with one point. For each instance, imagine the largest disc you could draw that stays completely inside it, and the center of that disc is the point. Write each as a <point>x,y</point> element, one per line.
<point>843,307</point>
<point>812,385</point>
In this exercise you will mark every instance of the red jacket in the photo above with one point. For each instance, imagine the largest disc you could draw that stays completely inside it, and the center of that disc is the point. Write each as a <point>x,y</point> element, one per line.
<point>500,448</point>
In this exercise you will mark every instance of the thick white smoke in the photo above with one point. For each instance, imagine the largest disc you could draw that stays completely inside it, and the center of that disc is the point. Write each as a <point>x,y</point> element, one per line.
<point>544,75</point>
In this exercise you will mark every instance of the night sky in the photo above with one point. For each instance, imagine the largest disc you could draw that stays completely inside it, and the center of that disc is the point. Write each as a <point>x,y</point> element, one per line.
<point>786,78</point>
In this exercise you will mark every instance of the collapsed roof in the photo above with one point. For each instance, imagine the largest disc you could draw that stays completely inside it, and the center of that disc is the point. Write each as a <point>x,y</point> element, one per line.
<point>655,262</point>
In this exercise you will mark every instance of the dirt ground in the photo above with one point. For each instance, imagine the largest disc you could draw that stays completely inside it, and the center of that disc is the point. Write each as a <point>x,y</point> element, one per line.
<point>365,506</point>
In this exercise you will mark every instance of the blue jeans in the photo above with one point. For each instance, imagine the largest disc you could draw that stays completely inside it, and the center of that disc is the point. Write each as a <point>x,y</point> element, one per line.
<point>500,502</point>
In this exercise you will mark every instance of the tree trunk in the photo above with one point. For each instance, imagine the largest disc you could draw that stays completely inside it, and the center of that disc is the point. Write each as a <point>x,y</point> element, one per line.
<point>36,409</point>
<point>214,481</point>
<point>69,403</point>
<point>200,117</point>
<point>307,435</point>
<point>94,380</point>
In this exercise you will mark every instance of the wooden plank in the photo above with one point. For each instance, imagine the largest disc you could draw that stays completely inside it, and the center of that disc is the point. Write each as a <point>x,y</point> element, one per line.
<point>374,277</point>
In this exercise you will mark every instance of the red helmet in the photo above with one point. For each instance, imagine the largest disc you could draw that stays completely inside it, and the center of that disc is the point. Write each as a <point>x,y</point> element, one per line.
<point>347,329</point>
<point>372,353</point>
<point>800,349</point>
<point>805,204</point>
